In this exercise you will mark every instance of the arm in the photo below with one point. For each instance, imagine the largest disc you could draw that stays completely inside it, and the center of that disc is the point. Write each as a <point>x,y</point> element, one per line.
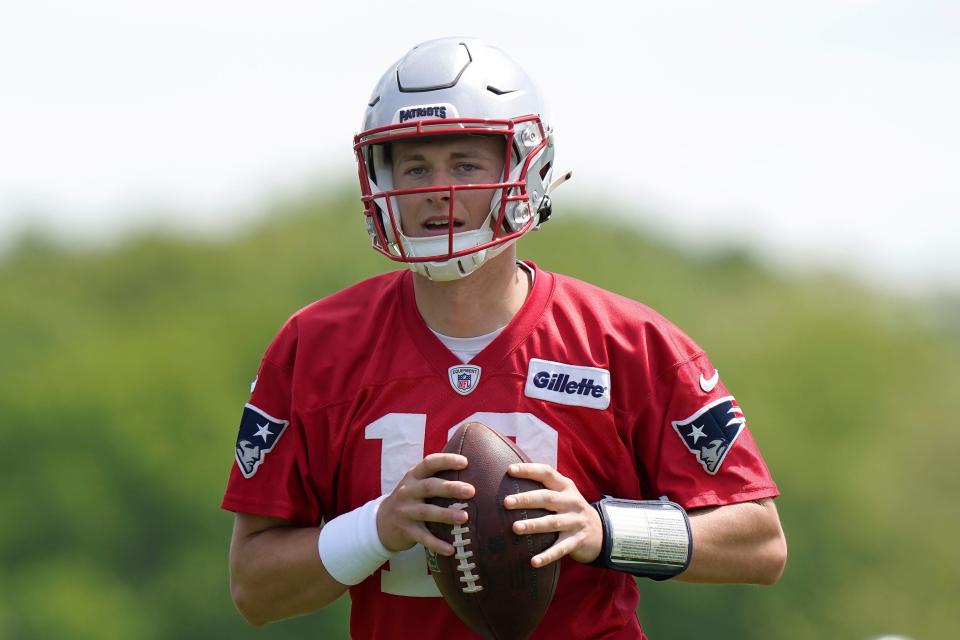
<point>276,570</point>
<point>738,543</point>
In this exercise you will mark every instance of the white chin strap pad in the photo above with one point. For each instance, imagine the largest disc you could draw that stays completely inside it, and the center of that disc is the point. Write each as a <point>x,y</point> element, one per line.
<point>447,270</point>
<point>455,268</point>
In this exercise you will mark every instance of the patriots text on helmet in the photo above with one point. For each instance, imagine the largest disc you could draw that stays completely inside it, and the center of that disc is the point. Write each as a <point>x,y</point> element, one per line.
<point>439,111</point>
<point>562,383</point>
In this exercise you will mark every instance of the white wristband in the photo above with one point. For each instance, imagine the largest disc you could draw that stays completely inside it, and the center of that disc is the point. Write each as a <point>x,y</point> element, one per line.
<point>350,546</point>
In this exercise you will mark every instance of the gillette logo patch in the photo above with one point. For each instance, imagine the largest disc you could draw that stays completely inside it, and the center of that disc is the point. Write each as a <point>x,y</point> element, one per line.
<point>568,384</point>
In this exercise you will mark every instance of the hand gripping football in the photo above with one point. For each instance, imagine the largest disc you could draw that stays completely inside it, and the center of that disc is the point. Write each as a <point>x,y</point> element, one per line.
<point>489,582</point>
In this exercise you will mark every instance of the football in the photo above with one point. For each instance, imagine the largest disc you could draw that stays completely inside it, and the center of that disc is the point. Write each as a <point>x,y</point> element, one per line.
<point>489,582</point>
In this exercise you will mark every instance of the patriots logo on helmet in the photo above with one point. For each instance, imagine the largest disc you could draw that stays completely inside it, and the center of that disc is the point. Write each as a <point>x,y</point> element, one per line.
<point>711,431</point>
<point>259,433</point>
<point>431,111</point>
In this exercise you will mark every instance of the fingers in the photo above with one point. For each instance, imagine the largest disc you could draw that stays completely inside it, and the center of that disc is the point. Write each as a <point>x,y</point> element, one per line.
<point>420,534</point>
<point>537,499</point>
<point>401,524</point>
<point>564,546</point>
<point>402,515</point>
<point>423,512</point>
<point>542,473</point>
<point>435,488</point>
<point>410,501</point>
<point>438,462</point>
<point>546,524</point>
<point>570,515</point>
<point>435,544</point>
<point>573,539</point>
<point>581,534</point>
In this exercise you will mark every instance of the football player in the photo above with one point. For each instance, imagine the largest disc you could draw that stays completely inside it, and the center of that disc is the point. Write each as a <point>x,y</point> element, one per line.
<point>647,461</point>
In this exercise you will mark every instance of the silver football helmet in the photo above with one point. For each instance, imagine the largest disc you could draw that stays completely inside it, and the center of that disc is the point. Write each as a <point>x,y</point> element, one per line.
<point>455,86</point>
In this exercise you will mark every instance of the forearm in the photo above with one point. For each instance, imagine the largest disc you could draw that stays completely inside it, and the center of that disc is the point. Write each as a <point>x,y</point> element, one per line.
<point>276,570</point>
<point>277,573</point>
<point>739,543</point>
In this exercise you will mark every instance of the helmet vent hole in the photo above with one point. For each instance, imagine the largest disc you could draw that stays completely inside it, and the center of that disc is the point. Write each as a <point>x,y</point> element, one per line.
<point>545,170</point>
<point>499,92</point>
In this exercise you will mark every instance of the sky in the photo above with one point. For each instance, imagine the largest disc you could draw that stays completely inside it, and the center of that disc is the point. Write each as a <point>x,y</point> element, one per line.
<point>820,134</point>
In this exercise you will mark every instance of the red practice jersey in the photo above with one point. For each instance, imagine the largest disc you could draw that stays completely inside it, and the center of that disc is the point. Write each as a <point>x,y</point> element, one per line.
<point>355,390</point>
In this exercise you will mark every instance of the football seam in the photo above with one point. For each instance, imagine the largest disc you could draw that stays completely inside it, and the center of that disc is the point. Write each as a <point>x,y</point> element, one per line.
<point>484,614</point>
<point>467,536</point>
<point>459,542</point>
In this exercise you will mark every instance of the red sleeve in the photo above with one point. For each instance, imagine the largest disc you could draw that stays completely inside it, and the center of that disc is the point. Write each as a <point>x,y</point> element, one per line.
<point>269,476</point>
<point>696,448</point>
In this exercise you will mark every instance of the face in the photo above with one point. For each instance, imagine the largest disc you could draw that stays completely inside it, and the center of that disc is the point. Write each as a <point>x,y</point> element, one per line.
<point>445,161</point>
<point>249,454</point>
<point>710,454</point>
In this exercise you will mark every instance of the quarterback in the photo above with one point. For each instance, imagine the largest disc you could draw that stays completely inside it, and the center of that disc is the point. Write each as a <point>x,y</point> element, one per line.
<point>649,467</point>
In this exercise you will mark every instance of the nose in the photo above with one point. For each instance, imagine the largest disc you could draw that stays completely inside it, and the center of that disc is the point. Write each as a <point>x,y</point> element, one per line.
<point>440,179</point>
<point>439,197</point>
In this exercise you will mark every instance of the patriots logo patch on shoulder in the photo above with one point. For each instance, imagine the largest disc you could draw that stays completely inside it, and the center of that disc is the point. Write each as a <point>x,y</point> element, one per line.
<point>259,433</point>
<point>711,431</point>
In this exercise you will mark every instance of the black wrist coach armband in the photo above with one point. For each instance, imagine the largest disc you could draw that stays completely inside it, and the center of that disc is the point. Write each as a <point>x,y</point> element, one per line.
<point>649,538</point>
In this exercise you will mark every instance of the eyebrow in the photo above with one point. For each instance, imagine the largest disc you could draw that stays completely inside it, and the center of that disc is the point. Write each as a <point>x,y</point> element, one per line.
<point>455,155</point>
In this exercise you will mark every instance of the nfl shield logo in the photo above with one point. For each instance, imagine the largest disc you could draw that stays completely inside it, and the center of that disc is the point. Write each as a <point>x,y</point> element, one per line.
<point>464,378</point>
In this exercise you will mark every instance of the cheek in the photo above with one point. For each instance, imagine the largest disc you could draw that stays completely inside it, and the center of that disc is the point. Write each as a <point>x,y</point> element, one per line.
<point>477,201</point>
<point>406,210</point>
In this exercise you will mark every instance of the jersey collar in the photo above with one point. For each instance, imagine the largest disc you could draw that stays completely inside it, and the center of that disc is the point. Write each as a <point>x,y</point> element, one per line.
<point>491,358</point>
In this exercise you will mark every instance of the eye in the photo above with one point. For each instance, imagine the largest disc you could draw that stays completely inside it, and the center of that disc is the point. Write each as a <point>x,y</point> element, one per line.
<point>415,171</point>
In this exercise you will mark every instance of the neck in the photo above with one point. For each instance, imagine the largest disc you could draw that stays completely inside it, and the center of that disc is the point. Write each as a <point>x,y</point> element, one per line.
<point>485,300</point>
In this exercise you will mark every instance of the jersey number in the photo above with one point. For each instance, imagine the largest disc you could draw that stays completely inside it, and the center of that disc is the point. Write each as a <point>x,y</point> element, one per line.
<point>402,436</point>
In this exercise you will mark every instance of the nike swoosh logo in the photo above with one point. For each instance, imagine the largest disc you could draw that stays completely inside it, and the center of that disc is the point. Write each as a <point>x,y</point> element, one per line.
<point>708,385</point>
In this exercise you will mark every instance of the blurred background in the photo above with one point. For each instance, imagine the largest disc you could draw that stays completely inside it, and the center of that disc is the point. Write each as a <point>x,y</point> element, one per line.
<point>176,179</point>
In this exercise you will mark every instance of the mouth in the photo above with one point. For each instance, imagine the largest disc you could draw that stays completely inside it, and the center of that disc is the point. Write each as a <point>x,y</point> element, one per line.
<point>439,225</point>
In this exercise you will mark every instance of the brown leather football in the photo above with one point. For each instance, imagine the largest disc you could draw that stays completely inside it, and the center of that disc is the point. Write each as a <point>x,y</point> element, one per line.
<point>489,582</point>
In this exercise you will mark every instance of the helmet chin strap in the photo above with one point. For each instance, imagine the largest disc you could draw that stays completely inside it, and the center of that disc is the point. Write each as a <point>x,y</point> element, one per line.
<point>456,268</point>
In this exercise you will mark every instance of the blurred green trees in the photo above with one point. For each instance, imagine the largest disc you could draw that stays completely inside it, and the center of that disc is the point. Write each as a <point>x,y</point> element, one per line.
<point>123,373</point>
